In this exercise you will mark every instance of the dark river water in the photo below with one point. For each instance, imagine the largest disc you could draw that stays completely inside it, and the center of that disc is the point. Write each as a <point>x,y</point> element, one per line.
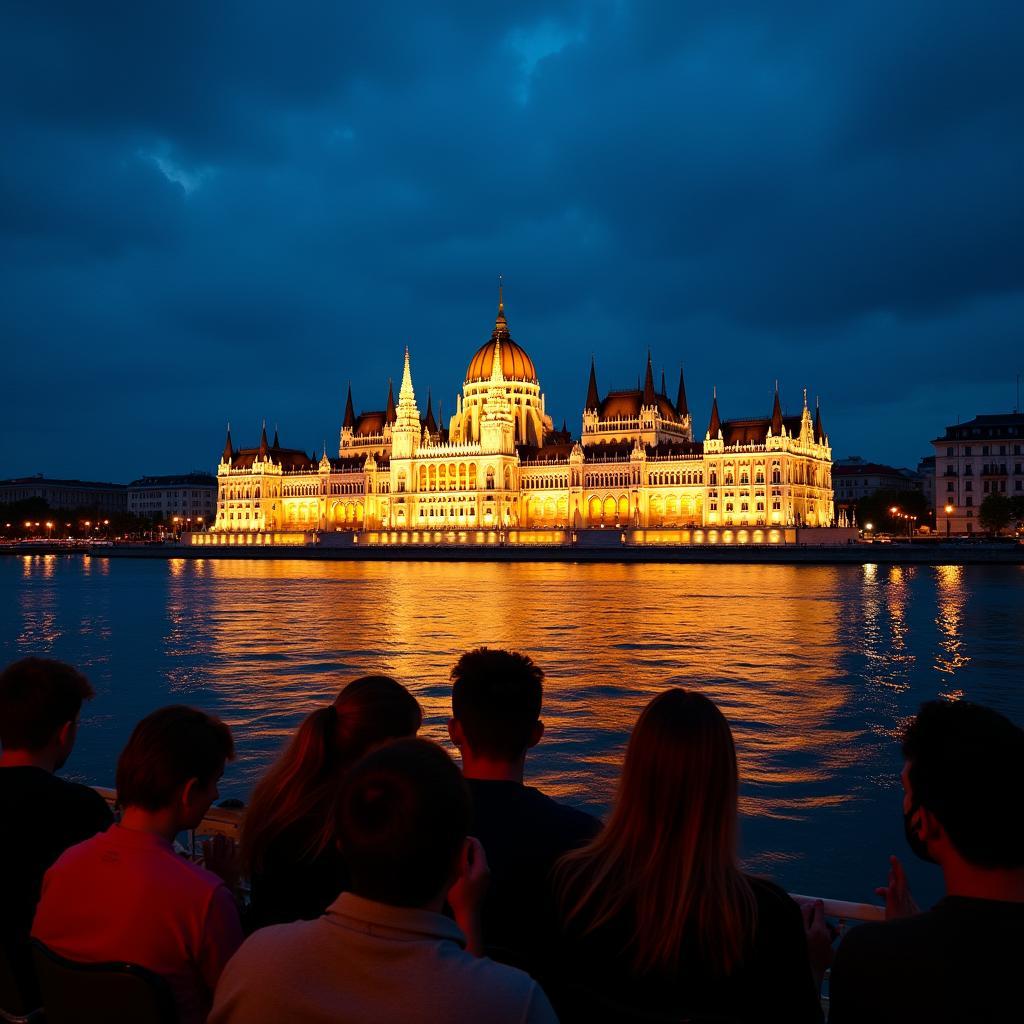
<point>816,668</point>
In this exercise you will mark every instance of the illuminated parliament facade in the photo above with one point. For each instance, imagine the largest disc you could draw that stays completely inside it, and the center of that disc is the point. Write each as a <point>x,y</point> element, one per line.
<point>500,465</point>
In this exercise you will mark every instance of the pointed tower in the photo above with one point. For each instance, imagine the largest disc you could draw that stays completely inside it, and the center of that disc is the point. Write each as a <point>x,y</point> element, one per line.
<point>683,408</point>
<point>819,430</point>
<point>429,424</point>
<point>228,453</point>
<point>593,399</point>
<point>715,426</point>
<point>389,409</point>
<point>497,424</point>
<point>348,424</point>
<point>277,443</point>
<point>405,432</point>
<point>664,390</point>
<point>777,425</point>
<point>650,399</point>
<point>263,443</point>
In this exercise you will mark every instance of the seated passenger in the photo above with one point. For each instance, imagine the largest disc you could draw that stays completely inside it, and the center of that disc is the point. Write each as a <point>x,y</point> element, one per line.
<point>657,918</point>
<point>295,868</point>
<point>42,814</point>
<point>496,699</point>
<point>126,894</point>
<point>384,951</point>
<point>962,776</point>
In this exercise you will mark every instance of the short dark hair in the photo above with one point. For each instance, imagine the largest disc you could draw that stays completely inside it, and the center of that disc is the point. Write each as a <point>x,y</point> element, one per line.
<point>37,697</point>
<point>965,766</point>
<point>403,814</point>
<point>165,750</point>
<point>496,697</point>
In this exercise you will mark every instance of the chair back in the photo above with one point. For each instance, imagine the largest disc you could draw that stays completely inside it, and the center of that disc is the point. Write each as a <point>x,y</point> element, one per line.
<point>114,993</point>
<point>16,1004</point>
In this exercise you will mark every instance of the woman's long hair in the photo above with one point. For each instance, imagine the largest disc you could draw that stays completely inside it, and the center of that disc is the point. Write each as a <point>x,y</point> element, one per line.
<point>664,867</point>
<point>297,793</point>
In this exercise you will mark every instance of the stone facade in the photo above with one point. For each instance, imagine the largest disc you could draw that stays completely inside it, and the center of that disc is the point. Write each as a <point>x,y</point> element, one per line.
<point>500,464</point>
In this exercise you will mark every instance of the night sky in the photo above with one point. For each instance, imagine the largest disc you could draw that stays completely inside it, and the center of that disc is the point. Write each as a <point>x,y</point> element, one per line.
<point>215,211</point>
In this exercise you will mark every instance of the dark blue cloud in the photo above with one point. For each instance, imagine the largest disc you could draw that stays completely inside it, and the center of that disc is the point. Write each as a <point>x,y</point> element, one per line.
<point>226,211</point>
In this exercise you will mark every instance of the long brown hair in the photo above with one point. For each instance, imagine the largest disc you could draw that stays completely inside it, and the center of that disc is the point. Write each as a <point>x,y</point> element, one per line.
<point>664,866</point>
<point>297,793</point>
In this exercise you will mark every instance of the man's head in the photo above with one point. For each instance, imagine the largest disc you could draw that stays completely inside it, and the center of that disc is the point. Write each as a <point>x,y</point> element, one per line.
<point>402,816</point>
<point>961,780</point>
<point>39,704</point>
<point>496,697</point>
<point>173,761</point>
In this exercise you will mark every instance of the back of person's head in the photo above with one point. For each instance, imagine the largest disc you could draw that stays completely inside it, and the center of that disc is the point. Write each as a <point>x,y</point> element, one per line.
<point>299,789</point>
<point>38,696</point>
<point>965,766</point>
<point>402,817</point>
<point>665,865</point>
<point>165,751</point>
<point>496,698</point>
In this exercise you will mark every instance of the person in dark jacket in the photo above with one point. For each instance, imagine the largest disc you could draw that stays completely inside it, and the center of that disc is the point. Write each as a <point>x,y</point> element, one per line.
<point>40,701</point>
<point>288,836</point>
<point>657,920</point>
<point>496,702</point>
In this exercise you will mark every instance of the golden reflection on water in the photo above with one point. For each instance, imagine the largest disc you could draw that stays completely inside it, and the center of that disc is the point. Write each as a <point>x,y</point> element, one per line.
<point>761,641</point>
<point>950,654</point>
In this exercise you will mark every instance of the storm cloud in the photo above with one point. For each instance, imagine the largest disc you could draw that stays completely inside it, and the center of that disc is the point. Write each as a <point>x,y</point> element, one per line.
<point>214,212</point>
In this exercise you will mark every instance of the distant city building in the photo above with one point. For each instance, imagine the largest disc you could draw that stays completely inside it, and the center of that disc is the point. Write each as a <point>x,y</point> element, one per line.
<point>926,479</point>
<point>192,496</point>
<point>982,456</point>
<point>60,494</point>
<point>499,462</point>
<point>853,479</point>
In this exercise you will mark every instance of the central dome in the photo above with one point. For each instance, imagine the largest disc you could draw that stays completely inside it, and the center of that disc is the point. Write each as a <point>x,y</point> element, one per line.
<point>515,363</point>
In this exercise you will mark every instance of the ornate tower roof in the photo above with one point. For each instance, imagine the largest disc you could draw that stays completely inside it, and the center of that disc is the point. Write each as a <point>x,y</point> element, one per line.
<point>776,413</point>
<point>715,426</point>
<point>389,411</point>
<point>277,443</point>
<point>649,396</point>
<point>515,363</point>
<point>350,413</point>
<point>263,441</point>
<point>227,453</point>
<point>819,430</point>
<point>682,409</point>
<point>593,398</point>
<point>428,421</point>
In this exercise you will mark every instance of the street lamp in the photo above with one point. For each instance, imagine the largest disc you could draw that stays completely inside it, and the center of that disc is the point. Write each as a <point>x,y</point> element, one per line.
<point>49,529</point>
<point>949,512</point>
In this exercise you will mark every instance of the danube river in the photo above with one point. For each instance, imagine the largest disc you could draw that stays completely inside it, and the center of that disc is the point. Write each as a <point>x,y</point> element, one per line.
<point>816,668</point>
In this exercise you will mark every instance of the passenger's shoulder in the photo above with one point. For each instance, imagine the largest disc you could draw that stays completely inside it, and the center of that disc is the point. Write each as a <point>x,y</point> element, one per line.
<point>499,985</point>
<point>566,814</point>
<point>771,899</point>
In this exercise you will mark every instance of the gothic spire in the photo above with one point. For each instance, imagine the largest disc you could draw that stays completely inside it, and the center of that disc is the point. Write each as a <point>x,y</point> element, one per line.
<point>681,407</point>
<point>227,454</point>
<point>593,399</point>
<point>819,430</point>
<point>500,323</point>
<point>664,390</point>
<point>405,391</point>
<point>649,396</point>
<point>715,426</point>
<point>429,422</point>
<point>497,377</point>
<point>389,409</point>
<point>777,414</point>
<point>263,441</point>
<point>350,413</point>
<point>277,443</point>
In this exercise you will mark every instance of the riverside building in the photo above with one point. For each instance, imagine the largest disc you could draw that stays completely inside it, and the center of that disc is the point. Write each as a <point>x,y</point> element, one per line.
<point>500,465</point>
<point>983,456</point>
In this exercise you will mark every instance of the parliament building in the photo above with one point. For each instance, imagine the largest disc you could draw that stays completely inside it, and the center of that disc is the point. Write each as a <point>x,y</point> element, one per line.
<point>499,465</point>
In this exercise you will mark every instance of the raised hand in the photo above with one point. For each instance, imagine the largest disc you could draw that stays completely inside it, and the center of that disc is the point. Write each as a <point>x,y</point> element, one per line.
<point>898,900</point>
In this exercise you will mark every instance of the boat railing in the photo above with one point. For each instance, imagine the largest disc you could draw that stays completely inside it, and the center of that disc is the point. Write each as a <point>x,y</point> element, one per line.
<point>225,821</point>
